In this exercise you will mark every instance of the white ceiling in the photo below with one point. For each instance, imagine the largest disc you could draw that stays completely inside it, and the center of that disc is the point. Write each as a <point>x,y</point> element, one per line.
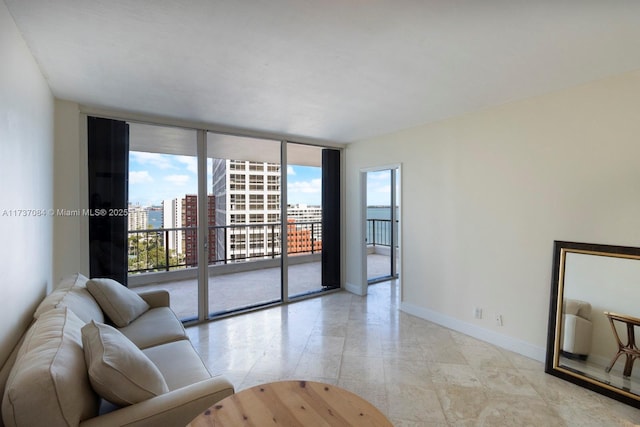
<point>334,70</point>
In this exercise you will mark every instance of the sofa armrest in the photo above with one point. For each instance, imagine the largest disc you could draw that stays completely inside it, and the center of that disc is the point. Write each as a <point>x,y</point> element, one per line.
<point>576,334</point>
<point>155,299</point>
<point>175,408</point>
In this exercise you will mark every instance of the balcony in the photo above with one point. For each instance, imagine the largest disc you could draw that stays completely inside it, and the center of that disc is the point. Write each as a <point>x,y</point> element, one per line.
<point>245,279</point>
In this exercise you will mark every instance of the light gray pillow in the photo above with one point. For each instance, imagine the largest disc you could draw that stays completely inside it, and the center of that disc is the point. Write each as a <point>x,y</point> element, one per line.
<point>118,370</point>
<point>118,302</point>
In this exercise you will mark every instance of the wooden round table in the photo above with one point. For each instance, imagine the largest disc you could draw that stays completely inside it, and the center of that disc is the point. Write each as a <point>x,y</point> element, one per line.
<point>292,403</point>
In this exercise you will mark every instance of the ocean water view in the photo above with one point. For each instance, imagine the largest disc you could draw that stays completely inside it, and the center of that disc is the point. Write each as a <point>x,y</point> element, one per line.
<point>380,212</point>
<point>379,225</point>
<point>155,218</point>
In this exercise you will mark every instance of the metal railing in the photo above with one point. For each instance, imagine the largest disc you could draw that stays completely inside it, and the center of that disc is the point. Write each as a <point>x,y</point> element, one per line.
<point>379,232</point>
<point>152,250</point>
<point>166,249</point>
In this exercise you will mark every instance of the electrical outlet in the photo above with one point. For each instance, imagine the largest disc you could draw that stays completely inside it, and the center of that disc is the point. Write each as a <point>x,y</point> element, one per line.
<point>477,313</point>
<point>498,319</point>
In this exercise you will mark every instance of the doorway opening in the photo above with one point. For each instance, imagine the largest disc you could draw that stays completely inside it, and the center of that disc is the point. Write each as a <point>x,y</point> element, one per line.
<point>382,236</point>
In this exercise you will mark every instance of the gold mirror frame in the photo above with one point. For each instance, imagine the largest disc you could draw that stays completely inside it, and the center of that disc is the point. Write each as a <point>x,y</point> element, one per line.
<point>553,365</point>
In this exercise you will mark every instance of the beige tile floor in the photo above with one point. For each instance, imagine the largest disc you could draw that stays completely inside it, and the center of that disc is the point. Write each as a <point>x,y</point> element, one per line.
<point>416,372</point>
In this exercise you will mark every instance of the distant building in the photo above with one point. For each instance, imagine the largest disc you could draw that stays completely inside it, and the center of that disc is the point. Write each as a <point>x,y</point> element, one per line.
<point>247,194</point>
<point>304,228</point>
<point>300,238</point>
<point>245,207</point>
<point>182,214</point>
<point>172,218</point>
<point>138,218</point>
<point>190,236</point>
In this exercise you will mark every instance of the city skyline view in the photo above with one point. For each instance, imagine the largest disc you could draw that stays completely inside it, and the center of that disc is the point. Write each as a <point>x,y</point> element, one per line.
<point>244,220</point>
<point>154,177</point>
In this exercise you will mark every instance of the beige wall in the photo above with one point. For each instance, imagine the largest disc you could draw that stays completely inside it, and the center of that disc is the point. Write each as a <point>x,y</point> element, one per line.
<point>26,168</point>
<point>71,235</point>
<point>485,195</point>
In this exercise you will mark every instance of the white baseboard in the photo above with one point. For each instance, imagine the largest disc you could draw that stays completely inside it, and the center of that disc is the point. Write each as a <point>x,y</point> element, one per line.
<point>353,288</point>
<point>513,344</point>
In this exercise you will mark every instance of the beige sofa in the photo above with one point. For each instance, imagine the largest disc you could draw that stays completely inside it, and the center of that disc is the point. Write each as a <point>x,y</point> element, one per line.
<point>87,349</point>
<point>577,329</point>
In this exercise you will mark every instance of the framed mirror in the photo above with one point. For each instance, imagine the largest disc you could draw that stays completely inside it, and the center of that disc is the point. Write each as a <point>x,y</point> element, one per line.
<point>594,318</point>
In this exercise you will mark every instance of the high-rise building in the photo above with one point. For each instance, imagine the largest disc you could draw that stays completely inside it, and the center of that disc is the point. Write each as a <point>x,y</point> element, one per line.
<point>190,222</point>
<point>138,217</point>
<point>247,197</point>
<point>172,219</point>
<point>182,215</point>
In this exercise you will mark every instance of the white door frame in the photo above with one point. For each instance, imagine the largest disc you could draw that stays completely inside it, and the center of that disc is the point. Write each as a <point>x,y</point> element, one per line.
<point>363,217</point>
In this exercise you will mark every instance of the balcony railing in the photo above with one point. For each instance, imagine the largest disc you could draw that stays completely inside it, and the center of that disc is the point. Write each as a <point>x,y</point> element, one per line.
<point>166,249</point>
<point>153,250</point>
<point>379,232</point>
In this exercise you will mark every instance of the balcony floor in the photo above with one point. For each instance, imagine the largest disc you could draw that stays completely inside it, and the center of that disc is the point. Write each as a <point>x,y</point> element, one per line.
<point>241,290</point>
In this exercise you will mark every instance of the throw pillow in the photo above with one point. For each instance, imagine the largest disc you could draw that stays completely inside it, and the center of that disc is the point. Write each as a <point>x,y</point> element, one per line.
<point>118,302</point>
<point>118,370</point>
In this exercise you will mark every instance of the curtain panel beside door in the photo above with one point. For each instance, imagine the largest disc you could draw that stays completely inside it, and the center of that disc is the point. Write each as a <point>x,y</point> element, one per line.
<point>108,164</point>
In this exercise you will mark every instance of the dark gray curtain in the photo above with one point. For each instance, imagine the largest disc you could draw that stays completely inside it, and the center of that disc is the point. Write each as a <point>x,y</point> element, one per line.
<point>330,218</point>
<point>108,155</point>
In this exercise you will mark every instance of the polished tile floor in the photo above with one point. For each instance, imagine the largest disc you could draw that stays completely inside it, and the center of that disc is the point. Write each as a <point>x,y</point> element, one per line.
<point>416,372</point>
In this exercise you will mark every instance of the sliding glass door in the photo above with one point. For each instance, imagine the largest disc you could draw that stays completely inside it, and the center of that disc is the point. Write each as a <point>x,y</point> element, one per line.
<point>244,216</point>
<point>222,222</point>
<point>163,214</point>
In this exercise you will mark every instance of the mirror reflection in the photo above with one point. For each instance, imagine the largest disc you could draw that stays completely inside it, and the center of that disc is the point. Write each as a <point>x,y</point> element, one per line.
<point>597,314</point>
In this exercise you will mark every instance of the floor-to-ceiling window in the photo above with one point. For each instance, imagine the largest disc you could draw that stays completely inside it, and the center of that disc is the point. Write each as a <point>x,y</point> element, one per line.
<point>244,213</point>
<point>226,222</point>
<point>163,213</point>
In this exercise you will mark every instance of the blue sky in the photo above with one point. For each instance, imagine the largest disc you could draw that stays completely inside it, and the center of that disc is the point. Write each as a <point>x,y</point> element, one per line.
<point>155,177</point>
<point>378,188</point>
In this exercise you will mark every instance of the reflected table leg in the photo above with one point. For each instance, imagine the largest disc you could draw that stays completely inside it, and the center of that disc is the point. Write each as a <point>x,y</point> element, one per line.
<point>630,350</point>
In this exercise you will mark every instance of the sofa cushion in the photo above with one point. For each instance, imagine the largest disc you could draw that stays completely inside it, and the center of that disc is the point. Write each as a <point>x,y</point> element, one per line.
<point>118,370</point>
<point>75,279</point>
<point>156,326</point>
<point>48,384</point>
<point>119,303</point>
<point>80,301</point>
<point>64,287</point>
<point>191,369</point>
